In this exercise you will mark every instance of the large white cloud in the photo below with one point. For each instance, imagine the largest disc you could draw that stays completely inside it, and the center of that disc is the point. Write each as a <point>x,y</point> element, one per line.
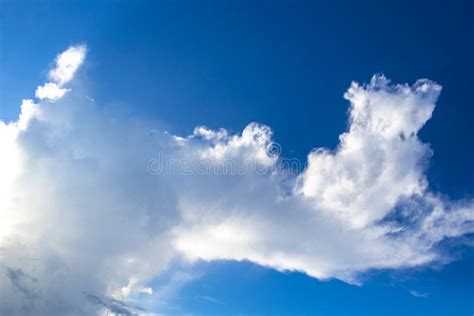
<point>94,205</point>
<point>380,159</point>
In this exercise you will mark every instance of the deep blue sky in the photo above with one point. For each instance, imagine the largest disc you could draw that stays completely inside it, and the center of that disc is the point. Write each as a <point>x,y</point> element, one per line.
<point>282,63</point>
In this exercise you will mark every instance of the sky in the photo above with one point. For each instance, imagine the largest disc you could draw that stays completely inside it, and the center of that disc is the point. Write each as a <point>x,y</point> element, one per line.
<point>119,121</point>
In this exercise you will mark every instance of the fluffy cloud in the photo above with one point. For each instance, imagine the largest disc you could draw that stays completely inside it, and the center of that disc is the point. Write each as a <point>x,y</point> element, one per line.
<point>93,206</point>
<point>66,65</point>
<point>50,91</point>
<point>380,159</point>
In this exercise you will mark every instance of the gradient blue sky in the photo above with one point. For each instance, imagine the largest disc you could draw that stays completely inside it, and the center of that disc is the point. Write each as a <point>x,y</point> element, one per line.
<point>285,64</point>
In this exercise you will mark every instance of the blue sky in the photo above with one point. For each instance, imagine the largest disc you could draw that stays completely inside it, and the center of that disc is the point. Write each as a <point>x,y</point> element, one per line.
<point>178,65</point>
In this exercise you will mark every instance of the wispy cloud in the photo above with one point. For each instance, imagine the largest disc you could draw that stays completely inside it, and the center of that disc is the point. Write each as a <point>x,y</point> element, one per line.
<point>115,307</point>
<point>208,299</point>
<point>418,294</point>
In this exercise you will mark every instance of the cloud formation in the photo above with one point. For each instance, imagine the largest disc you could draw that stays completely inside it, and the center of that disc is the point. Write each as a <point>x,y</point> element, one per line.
<point>66,65</point>
<point>84,211</point>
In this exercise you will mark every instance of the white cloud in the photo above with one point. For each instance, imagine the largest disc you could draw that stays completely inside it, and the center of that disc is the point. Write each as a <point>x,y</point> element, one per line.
<point>66,66</point>
<point>67,63</point>
<point>418,294</point>
<point>82,213</point>
<point>50,91</point>
<point>379,160</point>
<point>147,290</point>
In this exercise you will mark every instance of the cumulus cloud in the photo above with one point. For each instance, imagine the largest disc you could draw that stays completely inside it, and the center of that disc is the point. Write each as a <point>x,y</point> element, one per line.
<point>380,159</point>
<point>66,65</point>
<point>101,205</point>
<point>50,91</point>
